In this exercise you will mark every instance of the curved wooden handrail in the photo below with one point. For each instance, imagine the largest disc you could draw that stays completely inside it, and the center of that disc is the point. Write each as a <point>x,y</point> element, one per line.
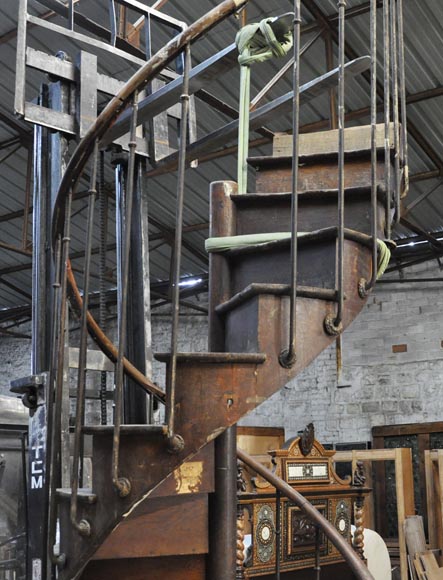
<point>357,566</point>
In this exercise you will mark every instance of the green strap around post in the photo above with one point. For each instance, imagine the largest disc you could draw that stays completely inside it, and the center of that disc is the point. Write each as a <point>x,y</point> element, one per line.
<point>256,43</point>
<point>226,243</point>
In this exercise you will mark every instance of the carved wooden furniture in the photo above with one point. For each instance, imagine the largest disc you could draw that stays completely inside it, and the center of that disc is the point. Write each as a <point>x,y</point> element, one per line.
<point>283,537</point>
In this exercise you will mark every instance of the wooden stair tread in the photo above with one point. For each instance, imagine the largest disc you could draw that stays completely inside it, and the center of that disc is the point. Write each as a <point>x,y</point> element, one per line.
<point>85,494</point>
<point>272,197</point>
<point>255,289</point>
<point>214,357</point>
<point>157,430</point>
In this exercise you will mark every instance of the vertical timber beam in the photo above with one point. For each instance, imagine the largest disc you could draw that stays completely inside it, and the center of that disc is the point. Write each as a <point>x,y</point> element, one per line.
<point>223,503</point>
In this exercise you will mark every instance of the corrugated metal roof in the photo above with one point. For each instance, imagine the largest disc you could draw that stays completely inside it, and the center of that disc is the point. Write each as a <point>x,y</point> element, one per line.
<point>424,71</point>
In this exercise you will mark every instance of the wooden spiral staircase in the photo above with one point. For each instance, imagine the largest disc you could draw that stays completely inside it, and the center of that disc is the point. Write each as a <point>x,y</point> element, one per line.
<point>139,519</point>
<point>249,309</point>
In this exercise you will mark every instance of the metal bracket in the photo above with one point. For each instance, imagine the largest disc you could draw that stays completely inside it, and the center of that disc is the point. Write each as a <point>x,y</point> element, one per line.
<point>32,389</point>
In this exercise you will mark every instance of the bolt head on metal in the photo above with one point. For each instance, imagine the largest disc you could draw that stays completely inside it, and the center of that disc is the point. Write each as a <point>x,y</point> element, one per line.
<point>60,561</point>
<point>331,327</point>
<point>286,360</point>
<point>362,291</point>
<point>123,487</point>
<point>176,443</point>
<point>84,528</point>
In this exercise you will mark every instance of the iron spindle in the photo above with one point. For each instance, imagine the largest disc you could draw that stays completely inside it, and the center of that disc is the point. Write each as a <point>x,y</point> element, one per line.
<point>402,82</point>
<point>317,566</point>
<point>365,286</point>
<point>113,22</point>
<point>51,433</point>
<point>103,219</point>
<point>394,65</point>
<point>277,534</point>
<point>175,441</point>
<point>122,484</point>
<point>341,165</point>
<point>387,114</point>
<point>59,348</point>
<point>83,526</point>
<point>71,14</point>
<point>288,357</point>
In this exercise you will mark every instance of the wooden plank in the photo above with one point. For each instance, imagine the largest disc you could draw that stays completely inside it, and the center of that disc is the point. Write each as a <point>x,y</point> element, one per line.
<point>415,535</point>
<point>169,526</point>
<point>326,142</point>
<point>407,429</point>
<point>430,501</point>
<point>404,487</point>
<point>166,568</point>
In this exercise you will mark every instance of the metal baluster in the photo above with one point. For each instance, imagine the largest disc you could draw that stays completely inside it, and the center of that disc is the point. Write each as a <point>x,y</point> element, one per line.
<point>51,433</point>
<point>401,68</point>
<point>113,22</point>
<point>71,14</point>
<point>83,527</point>
<point>394,64</point>
<point>364,286</point>
<point>277,534</point>
<point>176,442</point>
<point>122,484</point>
<point>387,114</point>
<point>103,218</point>
<point>317,566</point>
<point>333,324</point>
<point>288,357</point>
<point>58,363</point>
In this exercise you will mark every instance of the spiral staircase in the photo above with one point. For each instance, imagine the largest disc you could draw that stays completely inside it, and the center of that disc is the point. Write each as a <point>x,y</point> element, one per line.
<point>291,275</point>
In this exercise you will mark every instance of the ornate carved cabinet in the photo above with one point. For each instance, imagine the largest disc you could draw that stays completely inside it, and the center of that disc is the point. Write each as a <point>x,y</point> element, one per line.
<point>282,536</point>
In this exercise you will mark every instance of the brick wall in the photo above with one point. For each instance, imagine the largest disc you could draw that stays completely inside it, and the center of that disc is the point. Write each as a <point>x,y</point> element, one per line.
<point>378,386</point>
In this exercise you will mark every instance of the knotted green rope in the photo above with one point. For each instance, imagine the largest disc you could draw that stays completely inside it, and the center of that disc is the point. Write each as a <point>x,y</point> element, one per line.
<point>256,43</point>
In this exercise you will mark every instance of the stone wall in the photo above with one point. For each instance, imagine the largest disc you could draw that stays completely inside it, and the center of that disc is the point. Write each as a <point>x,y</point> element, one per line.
<point>378,386</point>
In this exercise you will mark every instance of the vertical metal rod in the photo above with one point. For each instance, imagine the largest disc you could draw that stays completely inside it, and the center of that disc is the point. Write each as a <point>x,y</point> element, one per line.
<point>103,219</point>
<point>112,21</point>
<point>277,533</point>
<point>29,166</point>
<point>171,382</point>
<point>52,434</point>
<point>387,113</point>
<point>394,65</point>
<point>59,354</point>
<point>373,18</point>
<point>23,439</point>
<point>317,566</point>
<point>81,379</point>
<point>341,162</point>
<point>401,69</point>
<point>288,357</point>
<point>71,15</point>
<point>332,94</point>
<point>148,37</point>
<point>121,484</point>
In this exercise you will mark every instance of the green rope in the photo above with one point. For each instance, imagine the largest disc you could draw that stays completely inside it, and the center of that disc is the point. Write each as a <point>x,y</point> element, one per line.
<point>226,243</point>
<point>256,43</point>
<point>384,255</point>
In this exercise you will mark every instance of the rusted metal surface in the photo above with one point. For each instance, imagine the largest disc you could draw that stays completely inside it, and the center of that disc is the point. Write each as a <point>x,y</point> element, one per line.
<point>359,569</point>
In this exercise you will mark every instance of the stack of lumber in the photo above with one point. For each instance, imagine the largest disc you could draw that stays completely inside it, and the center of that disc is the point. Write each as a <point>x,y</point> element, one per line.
<point>423,563</point>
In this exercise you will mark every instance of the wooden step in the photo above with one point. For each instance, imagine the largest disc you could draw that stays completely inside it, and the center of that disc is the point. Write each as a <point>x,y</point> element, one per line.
<point>85,495</point>
<point>148,430</point>
<point>277,290</point>
<point>305,195</point>
<point>215,358</point>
